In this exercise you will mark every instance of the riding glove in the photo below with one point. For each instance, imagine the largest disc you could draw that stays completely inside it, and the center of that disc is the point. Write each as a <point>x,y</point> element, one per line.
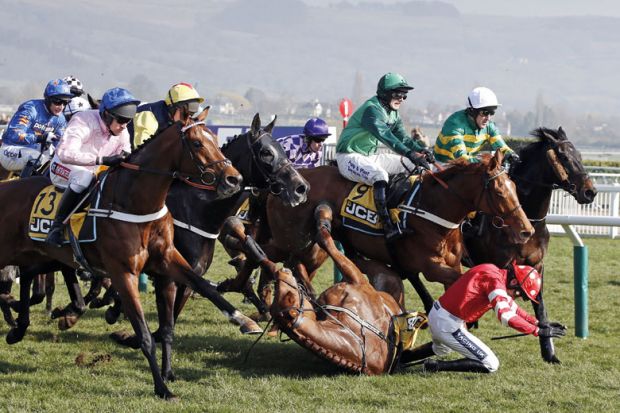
<point>552,330</point>
<point>512,158</point>
<point>428,155</point>
<point>417,159</point>
<point>111,160</point>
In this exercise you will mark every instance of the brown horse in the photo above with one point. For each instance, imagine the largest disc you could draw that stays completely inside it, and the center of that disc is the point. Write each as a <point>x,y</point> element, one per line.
<point>124,248</point>
<point>549,163</point>
<point>428,246</point>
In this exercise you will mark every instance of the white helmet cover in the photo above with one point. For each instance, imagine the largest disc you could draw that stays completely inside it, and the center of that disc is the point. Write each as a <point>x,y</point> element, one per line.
<point>482,97</point>
<point>77,104</point>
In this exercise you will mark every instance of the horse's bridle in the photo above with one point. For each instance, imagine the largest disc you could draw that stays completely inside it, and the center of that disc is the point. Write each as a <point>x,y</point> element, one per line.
<point>270,178</point>
<point>205,169</point>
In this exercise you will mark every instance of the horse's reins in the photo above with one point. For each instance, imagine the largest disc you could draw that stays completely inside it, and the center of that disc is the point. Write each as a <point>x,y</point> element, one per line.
<point>184,177</point>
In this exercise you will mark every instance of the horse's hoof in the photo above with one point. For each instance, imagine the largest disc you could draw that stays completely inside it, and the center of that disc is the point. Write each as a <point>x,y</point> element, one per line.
<point>169,377</point>
<point>552,360</point>
<point>111,316</point>
<point>8,317</point>
<point>250,327</point>
<point>260,317</point>
<point>273,331</point>
<point>57,312</point>
<point>125,339</point>
<point>14,336</point>
<point>167,395</point>
<point>67,321</point>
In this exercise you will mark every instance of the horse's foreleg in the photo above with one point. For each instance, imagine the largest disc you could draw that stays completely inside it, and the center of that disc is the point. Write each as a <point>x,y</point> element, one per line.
<point>6,299</point>
<point>547,349</point>
<point>130,298</point>
<point>208,290</point>
<point>93,293</point>
<point>420,288</point>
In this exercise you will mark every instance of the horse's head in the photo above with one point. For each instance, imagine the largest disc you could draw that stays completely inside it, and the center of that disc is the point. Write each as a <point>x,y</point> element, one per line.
<point>499,199</point>
<point>565,167</point>
<point>273,167</point>
<point>208,164</point>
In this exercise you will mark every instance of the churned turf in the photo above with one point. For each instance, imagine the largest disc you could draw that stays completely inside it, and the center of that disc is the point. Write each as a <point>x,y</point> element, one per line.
<point>83,370</point>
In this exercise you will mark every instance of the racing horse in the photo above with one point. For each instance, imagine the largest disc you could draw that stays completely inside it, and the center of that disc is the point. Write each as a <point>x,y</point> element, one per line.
<point>549,163</point>
<point>428,245</point>
<point>134,234</point>
<point>198,216</point>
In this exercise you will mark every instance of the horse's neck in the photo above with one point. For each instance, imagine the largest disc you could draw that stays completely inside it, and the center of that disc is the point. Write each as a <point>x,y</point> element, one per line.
<point>141,192</point>
<point>240,154</point>
<point>534,188</point>
<point>452,204</point>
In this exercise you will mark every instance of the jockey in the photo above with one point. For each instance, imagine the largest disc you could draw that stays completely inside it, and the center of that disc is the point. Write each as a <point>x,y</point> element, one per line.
<point>75,105</point>
<point>94,137</point>
<point>465,132</point>
<point>36,122</point>
<point>378,120</point>
<point>305,150</point>
<point>180,104</point>
<point>480,289</point>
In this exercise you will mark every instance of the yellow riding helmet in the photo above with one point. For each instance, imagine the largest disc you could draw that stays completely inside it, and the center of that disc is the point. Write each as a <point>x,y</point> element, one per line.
<point>182,92</point>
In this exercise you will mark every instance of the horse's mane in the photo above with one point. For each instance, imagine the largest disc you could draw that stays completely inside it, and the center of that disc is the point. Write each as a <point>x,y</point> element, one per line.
<point>535,146</point>
<point>140,147</point>
<point>232,140</point>
<point>463,166</point>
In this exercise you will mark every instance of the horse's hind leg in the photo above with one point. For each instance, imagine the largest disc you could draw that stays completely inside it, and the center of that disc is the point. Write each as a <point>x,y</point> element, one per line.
<point>165,292</point>
<point>50,287</point>
<point>17,333</point>
<point>420,288</point>
<point>6,299</point>
<point>38,289</point>
<point>71,313</point>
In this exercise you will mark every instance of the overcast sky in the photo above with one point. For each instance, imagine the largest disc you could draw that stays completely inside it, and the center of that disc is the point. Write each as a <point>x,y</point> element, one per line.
<point>520,7</point>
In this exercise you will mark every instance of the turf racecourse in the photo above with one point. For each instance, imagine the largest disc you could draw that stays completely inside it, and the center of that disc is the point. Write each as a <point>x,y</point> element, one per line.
<point>82,370</point>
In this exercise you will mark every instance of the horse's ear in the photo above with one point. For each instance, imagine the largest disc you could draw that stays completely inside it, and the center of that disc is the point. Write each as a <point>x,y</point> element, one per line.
<point>94,103</point>
<point>496,160</point>
<point>255,124</point>
<point>562,134</point>
<point>203,115</point>
<point>548,136</point>
<point>269,127</point>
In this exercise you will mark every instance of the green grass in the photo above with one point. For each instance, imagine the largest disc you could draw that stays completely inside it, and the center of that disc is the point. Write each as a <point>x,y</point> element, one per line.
<point>41,374</point>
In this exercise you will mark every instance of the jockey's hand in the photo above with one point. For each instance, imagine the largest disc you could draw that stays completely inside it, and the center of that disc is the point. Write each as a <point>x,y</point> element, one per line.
<point>552,329</point>
<point>49,137</point>
<point>428,155</point>
<point>111,160</point>
<point>512,158</point>
<point>417,159</point>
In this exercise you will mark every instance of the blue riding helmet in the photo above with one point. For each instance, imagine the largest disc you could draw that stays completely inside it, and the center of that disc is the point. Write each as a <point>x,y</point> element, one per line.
<point>119,102</point>
<point>316,129</point>
<point>58,89</point>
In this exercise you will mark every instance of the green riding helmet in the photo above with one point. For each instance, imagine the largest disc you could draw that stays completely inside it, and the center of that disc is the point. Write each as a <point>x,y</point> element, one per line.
<point>390,82</point>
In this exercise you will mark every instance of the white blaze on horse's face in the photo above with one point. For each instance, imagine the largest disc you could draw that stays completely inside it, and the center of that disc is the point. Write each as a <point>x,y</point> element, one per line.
<point>211,138</point>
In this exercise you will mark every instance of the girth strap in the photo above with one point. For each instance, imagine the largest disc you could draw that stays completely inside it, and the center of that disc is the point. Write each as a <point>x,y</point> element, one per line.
<point>357,318</point>
<point>123,216</point>
<point>195,230</point>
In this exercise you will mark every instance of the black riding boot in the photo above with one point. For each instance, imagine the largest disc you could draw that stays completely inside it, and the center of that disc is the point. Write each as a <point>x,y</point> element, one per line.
<point>390,229</point>
<point>419,353</point>
<point>68,201</point>
<point>466,365</point>
<point>29,169</point>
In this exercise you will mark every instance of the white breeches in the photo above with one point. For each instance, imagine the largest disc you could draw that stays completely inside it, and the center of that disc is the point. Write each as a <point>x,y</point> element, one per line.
<point>14,157</point>
<point>370,169</point>
<point>450,334</point>
<point>78,178</point>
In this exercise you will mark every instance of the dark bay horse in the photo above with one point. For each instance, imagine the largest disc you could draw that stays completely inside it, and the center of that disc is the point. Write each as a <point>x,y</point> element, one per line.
<point>264,167</point>
<point>549,163</point>
<point>428,245</point>
<point>123,249</point>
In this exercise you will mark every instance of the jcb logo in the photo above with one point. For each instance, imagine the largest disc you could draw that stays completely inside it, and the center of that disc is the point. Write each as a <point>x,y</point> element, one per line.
<point>40,225</point>
<point>361,212</point>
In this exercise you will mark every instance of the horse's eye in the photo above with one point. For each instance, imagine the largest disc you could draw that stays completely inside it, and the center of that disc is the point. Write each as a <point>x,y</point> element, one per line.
<point>266,155</point>
<point>197,144</point>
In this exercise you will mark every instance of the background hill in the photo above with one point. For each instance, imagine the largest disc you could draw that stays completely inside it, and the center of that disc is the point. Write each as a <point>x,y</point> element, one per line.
<point>293,50</point>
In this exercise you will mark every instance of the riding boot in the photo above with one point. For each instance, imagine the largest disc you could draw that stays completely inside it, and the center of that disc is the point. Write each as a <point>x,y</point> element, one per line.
<point>29,169</point>
<point>419,353</point>
<point>390,229</point>
<point>465,365</point>
<point>68,201</point>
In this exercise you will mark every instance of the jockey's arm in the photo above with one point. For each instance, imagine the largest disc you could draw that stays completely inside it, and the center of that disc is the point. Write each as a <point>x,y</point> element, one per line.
<point>20,129</point>
<point>508,312</point>
<point>69,149</point>
<point>145,125</point>
<point>374,122</point>
<point>498,143</point>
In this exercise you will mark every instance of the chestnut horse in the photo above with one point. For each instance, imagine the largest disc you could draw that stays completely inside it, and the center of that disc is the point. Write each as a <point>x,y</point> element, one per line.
<point>134,192</point>
<point>428,246</point>
<point>199,217</point>
<point>551,162</point>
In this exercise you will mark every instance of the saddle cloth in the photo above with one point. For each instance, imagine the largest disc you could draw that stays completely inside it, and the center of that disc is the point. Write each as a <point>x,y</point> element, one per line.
<point>359,211</point>
<point>44,211</point>
<point>406,327</point>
